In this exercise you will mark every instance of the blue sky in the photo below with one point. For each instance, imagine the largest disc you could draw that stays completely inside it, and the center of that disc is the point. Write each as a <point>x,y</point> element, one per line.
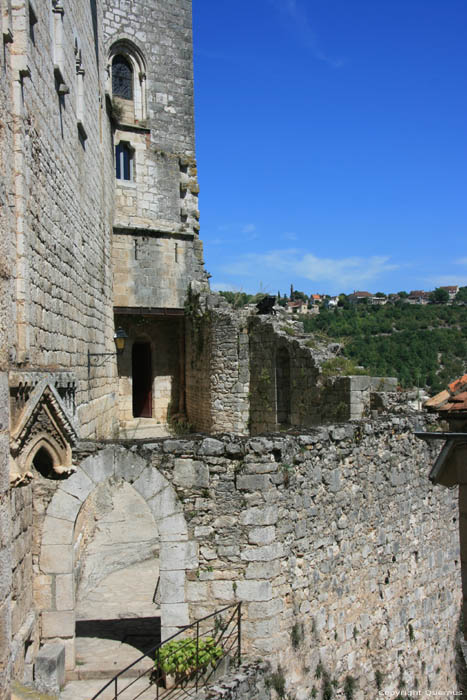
<point>332,143</point>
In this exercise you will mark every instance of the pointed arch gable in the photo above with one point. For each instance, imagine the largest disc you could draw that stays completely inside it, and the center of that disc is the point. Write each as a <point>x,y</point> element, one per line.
<point>177,553</point>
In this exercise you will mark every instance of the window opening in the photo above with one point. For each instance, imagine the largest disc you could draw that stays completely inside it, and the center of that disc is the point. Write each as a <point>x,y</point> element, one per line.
<point>32,23</point>
<point>122,78</point>
<point>283,386</point>
<point>142,380</point>
<point>124,161</point>
<point>44,464</point>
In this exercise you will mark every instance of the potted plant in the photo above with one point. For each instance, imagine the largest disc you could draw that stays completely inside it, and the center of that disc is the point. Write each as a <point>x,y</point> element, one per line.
<point>179,660</point>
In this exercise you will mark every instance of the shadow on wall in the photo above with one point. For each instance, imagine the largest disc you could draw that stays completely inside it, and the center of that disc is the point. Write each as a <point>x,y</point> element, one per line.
<point>141,633</point>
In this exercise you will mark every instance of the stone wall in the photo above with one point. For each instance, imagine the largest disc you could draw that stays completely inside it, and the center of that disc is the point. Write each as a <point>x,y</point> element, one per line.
<point>251,680</point>
<point>345,557</point>
<point>6,250</point>
<point>64,195</point>
<point>218,371</point>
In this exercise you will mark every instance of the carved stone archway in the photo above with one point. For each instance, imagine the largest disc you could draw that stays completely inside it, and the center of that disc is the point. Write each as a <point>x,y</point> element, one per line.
<point>56,564</point>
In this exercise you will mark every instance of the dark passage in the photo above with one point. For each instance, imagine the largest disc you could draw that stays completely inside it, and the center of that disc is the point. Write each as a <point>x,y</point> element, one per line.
<point>142,380</point>
<point>143,633</point>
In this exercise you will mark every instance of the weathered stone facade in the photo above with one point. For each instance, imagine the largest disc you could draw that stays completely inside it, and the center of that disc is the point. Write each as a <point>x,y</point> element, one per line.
<point>343,556</point>
<point>98,197</point>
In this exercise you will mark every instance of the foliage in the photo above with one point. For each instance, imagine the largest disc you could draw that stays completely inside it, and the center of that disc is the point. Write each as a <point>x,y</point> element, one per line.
<point>277,681</point>
<point>183,656</point>
<point>439,296</point>
<point>340,366</point>
<point>349,687</point>
<point>296,634</point>
<point>379,679</point>
<point>423,346</point>
<point>462,294</point>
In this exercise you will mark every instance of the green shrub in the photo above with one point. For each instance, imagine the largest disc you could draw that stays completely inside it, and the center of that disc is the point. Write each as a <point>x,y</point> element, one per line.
<point>184,657</point>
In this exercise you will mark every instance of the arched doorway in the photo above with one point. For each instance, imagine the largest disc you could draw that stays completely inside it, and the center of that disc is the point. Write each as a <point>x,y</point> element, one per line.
<point>59,556</point>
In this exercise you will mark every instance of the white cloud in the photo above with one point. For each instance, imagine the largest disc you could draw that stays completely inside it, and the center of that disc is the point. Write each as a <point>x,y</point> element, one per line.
<point>297,14</point>
<point>289,236</point>
<point>341,272</point>
<point>248,228</point>
<point>223,287</point>
<point>447,280</point>
<point>461,261</point>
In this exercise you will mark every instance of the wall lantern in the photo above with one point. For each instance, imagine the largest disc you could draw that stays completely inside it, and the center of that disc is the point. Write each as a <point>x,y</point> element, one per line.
<point>120,336</point>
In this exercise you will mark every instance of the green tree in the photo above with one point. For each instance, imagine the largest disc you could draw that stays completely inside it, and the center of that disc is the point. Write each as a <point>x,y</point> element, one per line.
<point>462,294</point>
<point>439,296</point>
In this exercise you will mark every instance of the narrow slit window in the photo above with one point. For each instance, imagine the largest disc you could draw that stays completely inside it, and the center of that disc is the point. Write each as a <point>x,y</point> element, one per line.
<point>124,168</point>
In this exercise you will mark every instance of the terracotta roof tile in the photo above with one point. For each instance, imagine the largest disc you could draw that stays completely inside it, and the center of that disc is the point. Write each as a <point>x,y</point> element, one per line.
<point>459,385</point>
<point>437,400</point>
<point>452,399</point>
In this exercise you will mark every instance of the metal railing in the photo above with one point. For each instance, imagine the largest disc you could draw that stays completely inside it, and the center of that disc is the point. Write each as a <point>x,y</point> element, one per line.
<point>224,627</point>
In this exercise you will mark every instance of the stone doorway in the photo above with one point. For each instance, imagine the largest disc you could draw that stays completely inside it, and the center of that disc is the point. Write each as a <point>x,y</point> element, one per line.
<point>116,548</point>
<point>60,562</point>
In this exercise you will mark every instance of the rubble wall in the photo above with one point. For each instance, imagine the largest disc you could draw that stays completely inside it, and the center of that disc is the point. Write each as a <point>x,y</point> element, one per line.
<point>346,558</point>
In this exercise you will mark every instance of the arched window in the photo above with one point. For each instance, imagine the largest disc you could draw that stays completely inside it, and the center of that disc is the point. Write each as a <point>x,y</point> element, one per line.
<point>124,161</point>
<point>122,78</point>
<point>127,80</point>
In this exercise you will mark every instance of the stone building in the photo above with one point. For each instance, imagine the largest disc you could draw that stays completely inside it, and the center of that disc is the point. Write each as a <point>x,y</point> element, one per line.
<point>100,239</point>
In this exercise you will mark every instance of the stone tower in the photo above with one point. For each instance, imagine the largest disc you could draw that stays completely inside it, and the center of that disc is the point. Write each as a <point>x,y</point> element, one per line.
<point>156,248</point>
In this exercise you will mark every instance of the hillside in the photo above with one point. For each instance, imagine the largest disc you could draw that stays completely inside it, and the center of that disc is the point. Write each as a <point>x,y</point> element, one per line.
<point>423,346</point>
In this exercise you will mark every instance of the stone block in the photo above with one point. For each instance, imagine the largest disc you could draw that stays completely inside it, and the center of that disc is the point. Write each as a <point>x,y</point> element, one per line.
<point>43,592</point>
<point>64,597</point>
<point>172,586</point>
<point>253,482</point>
<point>173,528</point>
<point>58,624</point>
<point>174,614</point>
<point>127,465</point>
<point>64,506</point>
<point>175,556</point>
<point>197,591</point>
<point>165,504</point>
<point>189,473</point>
<point>223,591</point>
<point>254,590</point>
<point>262,628</point>
<point>49,668</point>
<point>211,448</point>
<point>78,485</point>
<point>262,535</point>
<point>266,553</point>
<point>100,466</point>
<point>259,515</point>
<point>150,483</point>
<point>57,531</point>
<point>268,570</point>
<point>263,610</point>
<point>56,559</point>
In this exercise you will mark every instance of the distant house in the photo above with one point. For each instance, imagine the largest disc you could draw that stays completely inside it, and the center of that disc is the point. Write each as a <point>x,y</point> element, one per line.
<point>316,298</point>
<point>331,302</point>
<point>296,307</point>
<point>451,290</point>
<point>356,297</point>
<point>418,296</point>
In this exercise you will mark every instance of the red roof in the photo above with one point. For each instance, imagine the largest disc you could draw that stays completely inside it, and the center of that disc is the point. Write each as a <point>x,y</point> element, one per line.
<point>451,400</point>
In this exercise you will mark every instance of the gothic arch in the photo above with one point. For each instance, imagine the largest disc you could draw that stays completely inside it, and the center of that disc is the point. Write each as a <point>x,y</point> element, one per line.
<point>55,582</point>
<point>134,57</point>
